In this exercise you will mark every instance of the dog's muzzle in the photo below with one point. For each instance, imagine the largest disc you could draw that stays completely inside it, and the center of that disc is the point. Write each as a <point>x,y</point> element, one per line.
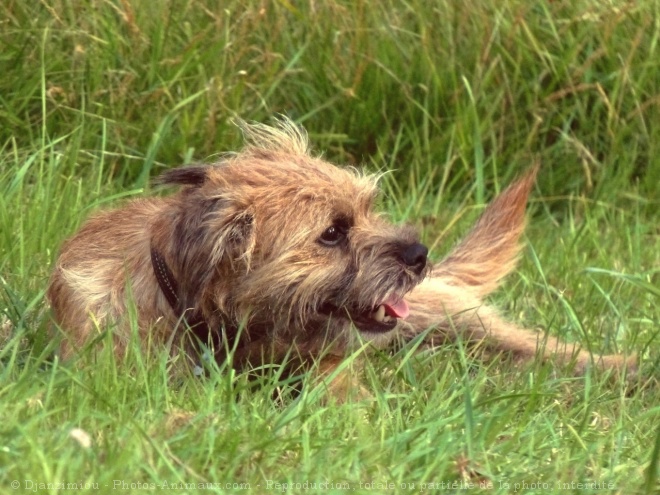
<point>384,316</point>
<point>414,256</point>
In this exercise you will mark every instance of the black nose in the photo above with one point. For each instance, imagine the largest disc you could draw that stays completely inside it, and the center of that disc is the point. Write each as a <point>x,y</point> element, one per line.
<point>414,255</point>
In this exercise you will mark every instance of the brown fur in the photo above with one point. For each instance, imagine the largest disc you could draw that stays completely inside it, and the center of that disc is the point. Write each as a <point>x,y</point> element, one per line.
<point>244,240</point>
<point>451,299</point>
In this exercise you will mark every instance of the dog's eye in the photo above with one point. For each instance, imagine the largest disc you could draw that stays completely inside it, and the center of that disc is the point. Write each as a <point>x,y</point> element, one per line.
<point>337,233</point>
<point>333,236</point>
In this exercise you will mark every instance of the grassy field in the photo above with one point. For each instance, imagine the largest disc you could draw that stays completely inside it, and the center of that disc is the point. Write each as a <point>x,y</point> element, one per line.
<point>453,99</point>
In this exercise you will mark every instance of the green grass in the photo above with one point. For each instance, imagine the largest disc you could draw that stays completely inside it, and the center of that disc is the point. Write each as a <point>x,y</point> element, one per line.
<point>453,99</point>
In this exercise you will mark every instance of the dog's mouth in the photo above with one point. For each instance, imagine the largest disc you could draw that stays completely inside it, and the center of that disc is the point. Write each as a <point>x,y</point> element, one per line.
<point>379,319</point>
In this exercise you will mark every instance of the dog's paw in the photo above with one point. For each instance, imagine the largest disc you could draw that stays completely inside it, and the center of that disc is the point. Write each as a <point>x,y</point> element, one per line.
<point>623,366</point>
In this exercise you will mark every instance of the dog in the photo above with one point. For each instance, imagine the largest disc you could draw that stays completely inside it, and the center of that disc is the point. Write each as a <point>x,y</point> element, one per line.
<point>275,253</point>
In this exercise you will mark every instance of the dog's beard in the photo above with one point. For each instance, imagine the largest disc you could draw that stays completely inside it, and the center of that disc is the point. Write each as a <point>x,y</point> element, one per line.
<point>375,307</point>
<point>380,318</point>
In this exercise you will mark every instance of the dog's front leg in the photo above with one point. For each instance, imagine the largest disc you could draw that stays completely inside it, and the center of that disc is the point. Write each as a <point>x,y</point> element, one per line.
<point>452,311</point>
<point>341,380</point>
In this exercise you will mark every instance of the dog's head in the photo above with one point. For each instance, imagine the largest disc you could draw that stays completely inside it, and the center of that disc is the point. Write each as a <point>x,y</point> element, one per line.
<point>275,237</point>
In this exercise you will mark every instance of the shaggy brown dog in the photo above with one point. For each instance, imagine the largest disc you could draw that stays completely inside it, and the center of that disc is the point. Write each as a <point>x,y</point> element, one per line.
<point>273,252</point>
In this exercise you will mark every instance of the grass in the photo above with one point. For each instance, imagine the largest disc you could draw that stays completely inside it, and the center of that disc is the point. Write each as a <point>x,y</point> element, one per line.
<point>453,99</point>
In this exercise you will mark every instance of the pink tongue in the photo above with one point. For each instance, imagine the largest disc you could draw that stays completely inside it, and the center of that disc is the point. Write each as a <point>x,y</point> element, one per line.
<point>396,308</point>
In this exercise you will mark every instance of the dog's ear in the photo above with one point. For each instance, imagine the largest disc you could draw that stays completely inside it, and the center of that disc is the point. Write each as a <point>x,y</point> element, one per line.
<point>211,237</point>
<point>234,239</point>
<point>193,176</point>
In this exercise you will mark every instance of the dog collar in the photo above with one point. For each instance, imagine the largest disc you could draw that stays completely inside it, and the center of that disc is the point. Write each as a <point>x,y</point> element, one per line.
<point>166,281</point>
<point>170,288</point>
<point>192,318</point>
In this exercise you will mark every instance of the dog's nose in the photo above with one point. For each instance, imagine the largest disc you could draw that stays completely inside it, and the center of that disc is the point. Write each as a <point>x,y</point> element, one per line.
<point>414,255</point>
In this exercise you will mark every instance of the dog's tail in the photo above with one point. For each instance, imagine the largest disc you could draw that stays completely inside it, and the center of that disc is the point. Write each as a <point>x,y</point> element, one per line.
<point>490,251</point>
